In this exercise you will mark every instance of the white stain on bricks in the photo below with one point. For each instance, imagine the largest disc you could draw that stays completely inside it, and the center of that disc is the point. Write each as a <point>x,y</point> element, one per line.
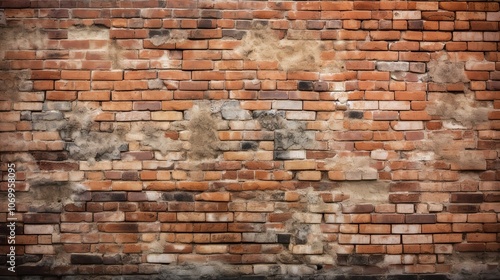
<point>263,44</point>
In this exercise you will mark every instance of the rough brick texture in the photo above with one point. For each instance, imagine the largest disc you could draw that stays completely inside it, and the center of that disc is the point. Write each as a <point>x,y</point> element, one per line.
<point>251,139</point>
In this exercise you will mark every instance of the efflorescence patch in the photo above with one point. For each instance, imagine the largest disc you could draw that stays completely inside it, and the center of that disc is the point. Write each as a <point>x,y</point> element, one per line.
<point>263,44</point>
<point>85,142</point>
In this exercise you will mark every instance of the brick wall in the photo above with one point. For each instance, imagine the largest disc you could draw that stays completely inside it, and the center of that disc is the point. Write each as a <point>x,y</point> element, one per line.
<point>251,138</point>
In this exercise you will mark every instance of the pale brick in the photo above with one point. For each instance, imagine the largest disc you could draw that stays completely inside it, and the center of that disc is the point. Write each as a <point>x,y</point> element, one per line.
<point>324,208</point>
<point>109,217</point>
<point>166,116</point>
<point>313,249</point>
<point>127,165</point>
<point>407,15</point>
<point>406,229</point>
<point>467,36</point>
<point>309,175</point>
<point>379,154</point>
<point>211,249</point>
<point>269,269</point>
<point>417,239</point>
<point>393,66</point>
<point>407,125</point>
<point>354,239</point>
<point>40,249</point>
<point>321,260</point>
<point>300,165</point>
<point>308,218</point>
<point>219,217</point>
<point>287,105</point>
<point>98,166</point>
<point>392,259</point>
<point>290,154</point>
<point>260,206</point>
<point>443,249</point>
<point>395,105</point>
<point>133,116</point>
<point>364,105</point>
<point>385,239</point>
<point>40,229</point>
<point>405,208</point>
<point>161,258</point>
<point>409,259</point>
<point>301,115</point>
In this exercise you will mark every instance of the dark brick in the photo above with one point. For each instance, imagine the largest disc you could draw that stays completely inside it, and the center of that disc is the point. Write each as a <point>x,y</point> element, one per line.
<point>388,218</point>
<point>156,32</point>
<point>178,196</point>
<point>181,206</point>
<point>15,4</point>
<point>112,259</point>
<point>284,238</point>
<point>211,14</point>
<point>207,23</point>
<point>470,247</point>
<point>75,207</point>
<point>404,187</point>
<point>109,196</point>
<point>249,146</point>
<point>491,227</point>
<point>360,208</point>
<point>404,197</point>
<point>492,197</point>
<point>32,270</point>
<point>130,176</point>
<point>95,207</point>
<point>438,15</point>
<point>41,218</point>
<point>53,156</point>
<point>137,196</point>
<point>415,24</point>
<point>467,197</point>
<point>274,94</point>
<point>127,207</point>
<point>153,206</point>
<point>421,219</point>
<point>244,24</point>
<point>493,85</point>
<point>463,208</point>
<point>235,34</point>
<point>119,227</point>
<point>305,85</point>
<point>66,166</point>
<point>355,115</point>
<point>84,196</point>
<point>356,259</point>
<point>320,86</point>
<point>86,259</point>
<point>342,259</point>
<point>375,259</point>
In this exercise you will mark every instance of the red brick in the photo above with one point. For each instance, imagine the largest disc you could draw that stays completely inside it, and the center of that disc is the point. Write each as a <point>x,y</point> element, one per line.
<point>388,218</point>
<point>470,247</point>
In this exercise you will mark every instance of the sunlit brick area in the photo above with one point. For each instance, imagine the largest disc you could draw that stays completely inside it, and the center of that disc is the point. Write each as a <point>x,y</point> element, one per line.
<point>183,139</point>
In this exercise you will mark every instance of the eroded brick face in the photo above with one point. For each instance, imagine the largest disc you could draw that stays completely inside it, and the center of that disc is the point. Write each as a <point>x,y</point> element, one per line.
<point>253,139</point>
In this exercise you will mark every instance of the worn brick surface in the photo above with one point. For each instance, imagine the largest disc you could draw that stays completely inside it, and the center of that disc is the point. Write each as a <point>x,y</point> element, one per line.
<point>251,139</point>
